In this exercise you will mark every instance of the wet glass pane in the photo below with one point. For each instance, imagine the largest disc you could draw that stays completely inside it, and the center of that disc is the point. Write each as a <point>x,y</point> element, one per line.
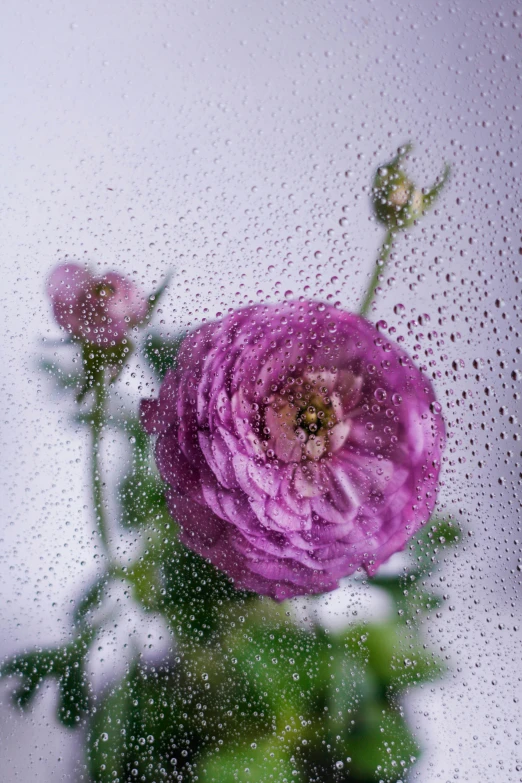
<point>261,351</point>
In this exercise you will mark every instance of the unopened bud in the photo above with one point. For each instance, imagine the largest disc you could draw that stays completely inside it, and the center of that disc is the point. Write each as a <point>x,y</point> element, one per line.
<point>397,202</point>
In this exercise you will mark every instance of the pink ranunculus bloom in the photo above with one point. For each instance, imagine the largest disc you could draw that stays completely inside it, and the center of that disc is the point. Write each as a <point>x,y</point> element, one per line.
<point>298,443</point>
<point>100,310</point>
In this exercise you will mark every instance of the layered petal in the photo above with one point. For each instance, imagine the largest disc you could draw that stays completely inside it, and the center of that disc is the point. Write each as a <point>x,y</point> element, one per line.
<point>299,445</point>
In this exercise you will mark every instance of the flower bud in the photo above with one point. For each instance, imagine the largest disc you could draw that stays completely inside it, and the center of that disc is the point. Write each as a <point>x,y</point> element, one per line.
<point>397,202</point>
<point>96,310</point>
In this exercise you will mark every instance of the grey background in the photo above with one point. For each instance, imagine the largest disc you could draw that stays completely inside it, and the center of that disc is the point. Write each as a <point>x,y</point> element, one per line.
<point>228,141</point>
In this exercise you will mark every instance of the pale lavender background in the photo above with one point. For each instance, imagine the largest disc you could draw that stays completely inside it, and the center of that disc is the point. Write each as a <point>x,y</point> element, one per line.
<point>228,140</point>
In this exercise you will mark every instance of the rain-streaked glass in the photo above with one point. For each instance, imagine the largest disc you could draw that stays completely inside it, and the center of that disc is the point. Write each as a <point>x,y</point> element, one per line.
<point>261,351</point>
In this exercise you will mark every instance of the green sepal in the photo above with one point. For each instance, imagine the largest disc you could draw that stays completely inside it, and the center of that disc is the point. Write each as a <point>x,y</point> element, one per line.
<point>430,195</point>
<point>96,359</point>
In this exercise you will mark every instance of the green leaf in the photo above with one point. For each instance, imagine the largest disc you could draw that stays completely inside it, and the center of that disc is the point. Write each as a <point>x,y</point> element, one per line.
<point>408,590</point>
<point>73,693</point>
<point>269,760</point>
<point>435,537</point>
<point>144,577</point>
<point>142,728</point>
<point>33,668</point>
<point>161,353</point>
<point>141,498</point>
<point>92,598</point>
<point>67,664</point>
<point>289,666</point>
<point>381,745</point>
<point>395,587</point>
<point>373,744</point>
<point>351,680</point>
<point>395,657</point>
<point>154,298</point>
<point>108,739</point>
<point>63,379</point>
<point>197,595</point>
<point>141,491</point>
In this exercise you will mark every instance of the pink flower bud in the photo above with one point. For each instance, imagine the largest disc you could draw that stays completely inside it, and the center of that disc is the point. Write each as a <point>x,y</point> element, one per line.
<point>99,310</point>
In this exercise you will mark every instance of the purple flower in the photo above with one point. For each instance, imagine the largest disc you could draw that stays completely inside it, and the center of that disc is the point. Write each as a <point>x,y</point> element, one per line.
<point>298,443</point>
<point>99,310</point>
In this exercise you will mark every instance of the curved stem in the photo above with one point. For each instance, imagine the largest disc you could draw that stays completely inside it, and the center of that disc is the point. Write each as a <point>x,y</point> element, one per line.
<point>97,422</point>
<point>384,253</point>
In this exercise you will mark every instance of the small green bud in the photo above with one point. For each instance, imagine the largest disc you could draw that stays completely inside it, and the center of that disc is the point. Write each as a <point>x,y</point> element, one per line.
<point>397,202</point>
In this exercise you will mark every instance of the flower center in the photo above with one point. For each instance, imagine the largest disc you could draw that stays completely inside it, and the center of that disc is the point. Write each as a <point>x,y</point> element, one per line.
<point>314,414</point>
<point>298,421</point>
<point>103,290</point>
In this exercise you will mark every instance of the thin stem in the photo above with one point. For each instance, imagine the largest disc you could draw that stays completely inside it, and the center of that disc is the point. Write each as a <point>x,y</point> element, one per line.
<point>384,253</point>
<point>97,422</point>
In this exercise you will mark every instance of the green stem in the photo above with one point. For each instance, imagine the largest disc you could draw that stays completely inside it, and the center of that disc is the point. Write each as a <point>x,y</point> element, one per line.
<point>384,253</point>
<point>97,422</point>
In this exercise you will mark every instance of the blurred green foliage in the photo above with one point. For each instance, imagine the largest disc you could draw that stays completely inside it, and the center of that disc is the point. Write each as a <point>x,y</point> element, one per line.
<point>251,694</point>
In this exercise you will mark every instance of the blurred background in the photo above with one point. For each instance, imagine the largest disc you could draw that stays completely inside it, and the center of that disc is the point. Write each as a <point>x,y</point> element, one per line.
<point>235,143</point>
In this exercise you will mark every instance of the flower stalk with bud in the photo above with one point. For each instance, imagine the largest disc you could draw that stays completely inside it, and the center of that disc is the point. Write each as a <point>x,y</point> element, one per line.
<point>397,204</point>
